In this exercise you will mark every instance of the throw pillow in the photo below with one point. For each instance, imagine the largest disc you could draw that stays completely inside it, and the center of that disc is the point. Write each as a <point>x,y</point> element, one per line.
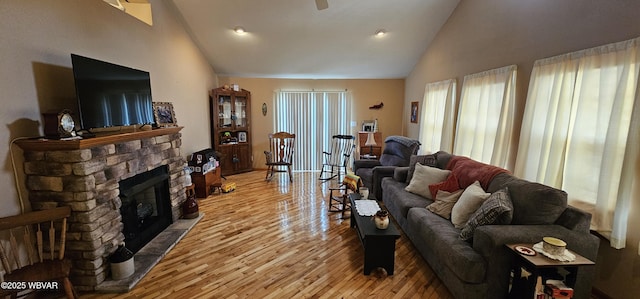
<point>497,209</point>
<point>444,203</point>
<point>423,177</point>
<point>449,185</point>
<point>470,200</point>
<point>428,160</point>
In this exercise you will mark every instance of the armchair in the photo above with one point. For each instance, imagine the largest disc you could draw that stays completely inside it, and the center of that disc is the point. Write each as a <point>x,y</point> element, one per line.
<point>397,152</point>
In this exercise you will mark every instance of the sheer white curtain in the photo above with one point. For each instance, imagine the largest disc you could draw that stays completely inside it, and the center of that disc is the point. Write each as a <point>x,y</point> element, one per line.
<point>314,116</point>
<point>438,114</point>
<point>485,116</point>
<point>580,134</point>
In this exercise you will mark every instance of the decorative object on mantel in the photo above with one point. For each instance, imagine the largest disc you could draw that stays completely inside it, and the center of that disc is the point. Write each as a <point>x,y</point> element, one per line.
<point>377,106</point>
<point>164,114</point>
<point>414,112</point>
<point>264,109</point>
<point>59,125</point>
<point>381,219</point>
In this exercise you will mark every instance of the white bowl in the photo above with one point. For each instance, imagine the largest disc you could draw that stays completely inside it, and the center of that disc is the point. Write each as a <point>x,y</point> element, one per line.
<point>553,245</point>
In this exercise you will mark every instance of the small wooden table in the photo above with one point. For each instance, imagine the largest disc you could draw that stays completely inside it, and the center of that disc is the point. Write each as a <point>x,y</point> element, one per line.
<point>539,265</point>
<point>379,244</point>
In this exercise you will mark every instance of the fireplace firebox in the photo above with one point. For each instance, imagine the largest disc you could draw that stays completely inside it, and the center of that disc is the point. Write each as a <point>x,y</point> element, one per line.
<point>146,207</point>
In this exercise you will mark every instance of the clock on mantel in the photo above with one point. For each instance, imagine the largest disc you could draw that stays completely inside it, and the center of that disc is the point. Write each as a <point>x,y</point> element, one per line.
<point>59,124</point>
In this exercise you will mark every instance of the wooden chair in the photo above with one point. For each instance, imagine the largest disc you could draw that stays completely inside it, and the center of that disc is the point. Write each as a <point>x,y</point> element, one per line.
<point>280,153</point>
<point>45,260</point>
<point>338,157</point>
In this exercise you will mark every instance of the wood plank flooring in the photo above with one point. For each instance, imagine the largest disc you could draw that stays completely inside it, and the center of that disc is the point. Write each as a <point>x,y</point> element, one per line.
<point>277,240</point>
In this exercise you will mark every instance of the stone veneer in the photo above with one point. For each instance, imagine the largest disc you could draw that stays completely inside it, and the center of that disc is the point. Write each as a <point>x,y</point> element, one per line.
<point>87,180</point>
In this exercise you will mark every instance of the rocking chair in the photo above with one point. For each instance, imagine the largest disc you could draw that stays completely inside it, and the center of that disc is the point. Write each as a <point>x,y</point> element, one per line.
<point>280,153</point>
<point>338,157</point>
<point>45,260</point>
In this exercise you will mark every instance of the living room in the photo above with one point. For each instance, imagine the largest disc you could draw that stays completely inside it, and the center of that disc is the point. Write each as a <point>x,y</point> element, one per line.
<point>479,35</point>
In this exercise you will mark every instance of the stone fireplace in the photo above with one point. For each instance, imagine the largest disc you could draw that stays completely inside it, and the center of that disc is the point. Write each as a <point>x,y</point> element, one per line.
<point>87,175</point>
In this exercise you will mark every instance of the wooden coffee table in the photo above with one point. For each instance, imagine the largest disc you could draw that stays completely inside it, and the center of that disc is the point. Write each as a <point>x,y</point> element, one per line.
<point>379,244</point>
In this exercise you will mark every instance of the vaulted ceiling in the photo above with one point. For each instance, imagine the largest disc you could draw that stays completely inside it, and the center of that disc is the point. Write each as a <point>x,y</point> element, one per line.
<point>298,39</point>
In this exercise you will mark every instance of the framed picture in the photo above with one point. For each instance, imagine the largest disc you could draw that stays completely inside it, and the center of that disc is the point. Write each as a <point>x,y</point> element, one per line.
<point>164,114</point>
<point>242,136</point>
<point>414,112</point>
<point>368,126</point>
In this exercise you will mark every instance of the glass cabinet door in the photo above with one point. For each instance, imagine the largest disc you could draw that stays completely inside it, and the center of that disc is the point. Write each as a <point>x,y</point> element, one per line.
<point>225,112</point>
<point>241,112</point>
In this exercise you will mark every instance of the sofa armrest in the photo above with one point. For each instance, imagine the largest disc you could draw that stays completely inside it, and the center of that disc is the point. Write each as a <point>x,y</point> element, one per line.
<point>575,219</point>
<point>380,172</point>
<point>400,173</point>
<point>365,164</point>
<point>489,237</point>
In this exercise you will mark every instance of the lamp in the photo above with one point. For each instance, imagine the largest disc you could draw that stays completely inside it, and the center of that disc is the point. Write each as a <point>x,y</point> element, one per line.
<point>371,142</point>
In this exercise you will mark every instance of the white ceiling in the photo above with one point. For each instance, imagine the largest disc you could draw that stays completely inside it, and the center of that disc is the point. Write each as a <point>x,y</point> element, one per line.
<point>293,39</point>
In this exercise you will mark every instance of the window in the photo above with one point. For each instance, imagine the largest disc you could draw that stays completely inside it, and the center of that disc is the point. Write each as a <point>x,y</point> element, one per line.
<point>485,119</point>
<point>438,112</point>
<point>314,117</point>
<point>579,132</point>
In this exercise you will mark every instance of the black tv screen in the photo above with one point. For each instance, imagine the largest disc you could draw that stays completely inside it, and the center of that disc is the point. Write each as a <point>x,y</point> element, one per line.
<point>111,95</point>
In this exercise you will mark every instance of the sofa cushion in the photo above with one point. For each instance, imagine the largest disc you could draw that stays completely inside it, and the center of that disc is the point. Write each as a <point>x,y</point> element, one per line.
<point>533,203</point>
<point>444,242</point>
<point>427,160</point>
<point>497,209</point>
<point>398,201</point>
<point>425,176</point>
<point>444,203</point>
<point>470,200</point>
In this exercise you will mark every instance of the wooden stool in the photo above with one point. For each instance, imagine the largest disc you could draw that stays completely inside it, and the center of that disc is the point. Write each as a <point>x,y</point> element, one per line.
<point>339,202</point>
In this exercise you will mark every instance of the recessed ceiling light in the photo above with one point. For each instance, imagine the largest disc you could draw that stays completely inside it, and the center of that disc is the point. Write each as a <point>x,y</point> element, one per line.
<point>239,30</point>
<point>380,33</point>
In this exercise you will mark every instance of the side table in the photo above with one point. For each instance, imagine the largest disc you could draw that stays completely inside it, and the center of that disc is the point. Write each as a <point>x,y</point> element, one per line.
<point>206,183</point>
<point>539,265</point>
<point>379,244</point>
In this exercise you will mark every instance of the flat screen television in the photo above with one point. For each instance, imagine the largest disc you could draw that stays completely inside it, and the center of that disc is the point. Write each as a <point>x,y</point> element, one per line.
<point>111,95</point>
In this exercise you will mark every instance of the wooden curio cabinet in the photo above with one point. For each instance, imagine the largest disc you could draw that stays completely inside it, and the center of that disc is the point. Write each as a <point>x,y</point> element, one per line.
<point>230,129</point>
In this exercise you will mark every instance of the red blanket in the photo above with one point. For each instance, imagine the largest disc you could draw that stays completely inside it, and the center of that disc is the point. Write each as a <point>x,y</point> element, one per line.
<point>468,171</point>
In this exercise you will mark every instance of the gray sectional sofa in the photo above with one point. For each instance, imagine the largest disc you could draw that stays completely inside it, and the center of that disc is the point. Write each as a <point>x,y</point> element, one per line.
<point>480,267</point>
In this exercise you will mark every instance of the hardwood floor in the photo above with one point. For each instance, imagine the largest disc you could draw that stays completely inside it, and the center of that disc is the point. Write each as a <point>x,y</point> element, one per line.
<point>277,240</point>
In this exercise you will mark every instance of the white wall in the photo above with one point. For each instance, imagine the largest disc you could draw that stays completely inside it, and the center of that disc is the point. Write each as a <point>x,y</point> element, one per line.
<point>36,40</point>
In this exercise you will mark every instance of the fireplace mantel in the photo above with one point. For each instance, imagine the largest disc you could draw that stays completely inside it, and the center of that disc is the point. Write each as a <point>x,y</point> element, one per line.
<point>42,144</point>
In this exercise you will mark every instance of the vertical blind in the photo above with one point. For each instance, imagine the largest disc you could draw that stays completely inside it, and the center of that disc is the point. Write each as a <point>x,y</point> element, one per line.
<point>314,116</point>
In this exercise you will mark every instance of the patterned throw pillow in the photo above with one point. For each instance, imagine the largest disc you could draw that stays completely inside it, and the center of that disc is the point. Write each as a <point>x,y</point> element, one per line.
<point>427,160</point>
<point>497,209</point>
